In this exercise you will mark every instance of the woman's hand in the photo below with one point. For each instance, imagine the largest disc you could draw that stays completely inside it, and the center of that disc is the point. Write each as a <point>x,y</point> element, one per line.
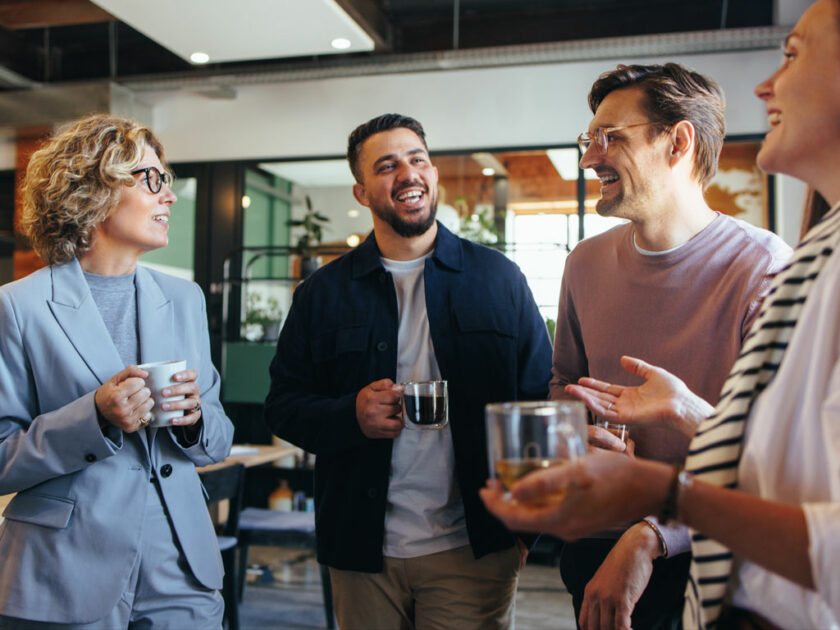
<point>662,400</point>
<point>602,489</point>
<point>124,400</point>
<point>191,404</point>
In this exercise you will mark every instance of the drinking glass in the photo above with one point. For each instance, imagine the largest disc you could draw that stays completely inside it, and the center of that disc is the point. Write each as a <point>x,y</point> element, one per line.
<point>526,436</point>
<point>425,404</point>
<point>618,429</point>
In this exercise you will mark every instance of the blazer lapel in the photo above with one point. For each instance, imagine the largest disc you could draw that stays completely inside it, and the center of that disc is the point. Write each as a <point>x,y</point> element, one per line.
<point>155,319</point>
<point>74,309</point>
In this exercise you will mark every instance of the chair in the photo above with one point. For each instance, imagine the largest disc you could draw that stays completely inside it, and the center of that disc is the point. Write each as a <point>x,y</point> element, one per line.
<point>259,526</point>
<point>227,483</point>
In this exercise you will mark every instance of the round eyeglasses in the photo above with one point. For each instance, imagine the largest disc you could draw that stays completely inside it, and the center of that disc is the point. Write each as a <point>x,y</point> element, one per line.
<point>601,137</point>
<point>154,178</point>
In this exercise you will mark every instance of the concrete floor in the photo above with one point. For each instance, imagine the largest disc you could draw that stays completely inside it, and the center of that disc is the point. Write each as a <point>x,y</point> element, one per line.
<point>289,598</point>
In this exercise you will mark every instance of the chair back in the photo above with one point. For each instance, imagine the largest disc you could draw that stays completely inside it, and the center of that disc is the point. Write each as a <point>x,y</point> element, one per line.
<point>228,483</point>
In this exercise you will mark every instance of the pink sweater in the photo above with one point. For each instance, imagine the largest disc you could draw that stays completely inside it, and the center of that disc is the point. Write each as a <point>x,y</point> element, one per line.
<point>687,311</point>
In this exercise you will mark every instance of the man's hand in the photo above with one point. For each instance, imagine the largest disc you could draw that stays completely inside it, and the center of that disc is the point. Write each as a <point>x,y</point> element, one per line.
<point>378,409</point>
<point>662,400</point>
<point>601,438</point>
<point>614,590</point>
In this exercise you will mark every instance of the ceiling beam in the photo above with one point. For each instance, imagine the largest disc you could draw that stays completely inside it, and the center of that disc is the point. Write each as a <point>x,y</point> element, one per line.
<point>368,15</point>
<point>17,14</point>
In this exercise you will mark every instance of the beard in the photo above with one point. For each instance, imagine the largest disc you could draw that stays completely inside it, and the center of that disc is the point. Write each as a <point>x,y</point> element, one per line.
<point>405,228</point>
<point>609,207</point>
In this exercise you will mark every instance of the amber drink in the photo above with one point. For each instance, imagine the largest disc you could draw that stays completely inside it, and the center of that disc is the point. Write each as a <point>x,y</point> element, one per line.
<point>523,437</point>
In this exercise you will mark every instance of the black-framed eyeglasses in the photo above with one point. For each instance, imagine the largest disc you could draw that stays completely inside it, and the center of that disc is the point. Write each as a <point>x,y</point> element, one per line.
<point>601,137</point>
<point>154,178</point>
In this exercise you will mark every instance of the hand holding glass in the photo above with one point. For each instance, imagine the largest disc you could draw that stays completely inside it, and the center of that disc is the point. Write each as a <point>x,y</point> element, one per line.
<point>618,429</point>
<point>526,436</point>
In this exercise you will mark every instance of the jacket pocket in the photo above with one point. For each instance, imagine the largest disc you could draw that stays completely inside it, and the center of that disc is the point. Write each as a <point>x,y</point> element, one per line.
<point>340,341</point>
<point>40,509</point>
<point>493,318</point>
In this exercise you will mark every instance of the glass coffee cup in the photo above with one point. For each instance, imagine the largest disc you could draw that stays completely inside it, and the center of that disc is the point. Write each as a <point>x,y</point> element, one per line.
<point>425,404</point>
<point>523,437</point>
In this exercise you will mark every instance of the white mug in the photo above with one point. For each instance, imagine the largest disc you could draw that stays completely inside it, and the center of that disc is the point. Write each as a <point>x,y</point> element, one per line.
<point>160,377</point>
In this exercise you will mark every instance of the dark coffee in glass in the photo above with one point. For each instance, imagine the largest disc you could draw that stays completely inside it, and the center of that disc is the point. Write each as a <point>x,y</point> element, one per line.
<point>425,404</point>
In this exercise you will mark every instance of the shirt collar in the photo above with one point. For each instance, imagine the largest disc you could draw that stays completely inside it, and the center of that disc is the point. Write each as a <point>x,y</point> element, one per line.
<point>448,252</point>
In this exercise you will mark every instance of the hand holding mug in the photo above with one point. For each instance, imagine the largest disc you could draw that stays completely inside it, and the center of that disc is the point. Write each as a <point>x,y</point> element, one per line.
<point>124,400</point>
<point>175,393</point>
<point>379,408</point>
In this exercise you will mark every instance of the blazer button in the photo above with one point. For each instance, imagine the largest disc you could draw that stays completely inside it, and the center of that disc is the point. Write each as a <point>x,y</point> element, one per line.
<point>165,470</point>
<point>382,346</point>
<point>371,493</point>
<point>90,457</point>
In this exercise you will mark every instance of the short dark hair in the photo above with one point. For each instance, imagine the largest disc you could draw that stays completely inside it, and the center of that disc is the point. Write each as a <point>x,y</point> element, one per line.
<point>385,122</point>
<point>674,93</point>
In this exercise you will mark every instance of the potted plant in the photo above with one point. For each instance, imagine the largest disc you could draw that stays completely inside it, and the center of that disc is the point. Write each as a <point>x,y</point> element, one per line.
<point>262,318</point>
<point>312,225</point>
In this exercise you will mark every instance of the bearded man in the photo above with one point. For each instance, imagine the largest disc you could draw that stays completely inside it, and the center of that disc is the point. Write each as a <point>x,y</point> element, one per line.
<point>398,518</point>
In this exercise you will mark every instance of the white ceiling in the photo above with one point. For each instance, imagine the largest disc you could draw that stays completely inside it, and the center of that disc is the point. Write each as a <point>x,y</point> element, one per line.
<point>244,30</point>
<point>313,173</point>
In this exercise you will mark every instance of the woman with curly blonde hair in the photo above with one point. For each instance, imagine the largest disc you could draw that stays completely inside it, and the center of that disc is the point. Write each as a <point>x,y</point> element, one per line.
<point>100,492</point>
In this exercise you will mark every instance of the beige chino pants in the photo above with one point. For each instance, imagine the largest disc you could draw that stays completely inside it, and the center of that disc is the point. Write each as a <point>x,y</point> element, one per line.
<point>440,591</point>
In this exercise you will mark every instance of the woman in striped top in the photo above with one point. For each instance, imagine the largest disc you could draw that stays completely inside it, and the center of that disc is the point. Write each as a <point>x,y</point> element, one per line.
<point>761,485</point>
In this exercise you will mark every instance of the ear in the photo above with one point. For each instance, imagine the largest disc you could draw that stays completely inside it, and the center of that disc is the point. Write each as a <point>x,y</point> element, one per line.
<point>682,141</point>
<point>360,194</point>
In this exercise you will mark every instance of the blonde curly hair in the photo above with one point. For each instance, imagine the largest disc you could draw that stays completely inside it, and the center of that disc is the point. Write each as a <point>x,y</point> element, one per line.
<point>76,179</point>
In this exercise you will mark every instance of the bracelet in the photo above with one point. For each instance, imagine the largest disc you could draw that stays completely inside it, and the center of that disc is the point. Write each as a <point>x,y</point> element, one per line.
<point>663,547</point>
<point>669,508</point>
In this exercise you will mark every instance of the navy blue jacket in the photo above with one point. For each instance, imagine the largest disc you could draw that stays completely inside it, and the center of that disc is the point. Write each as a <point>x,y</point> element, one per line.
<point>340,335</point>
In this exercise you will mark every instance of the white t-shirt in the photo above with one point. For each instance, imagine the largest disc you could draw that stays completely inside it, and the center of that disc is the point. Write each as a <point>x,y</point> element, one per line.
<point>424,513</point>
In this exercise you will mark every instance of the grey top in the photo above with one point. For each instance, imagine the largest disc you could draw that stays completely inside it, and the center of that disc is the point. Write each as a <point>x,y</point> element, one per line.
<point>425,512</point>
<point>116,299</point>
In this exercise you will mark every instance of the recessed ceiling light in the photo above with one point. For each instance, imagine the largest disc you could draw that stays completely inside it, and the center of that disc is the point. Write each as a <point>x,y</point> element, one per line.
<point>488,172</point>
<point>353,213</point>
<point>340,43</point>
<point>246,201</point>
<point>199,57</point>
<point>353,240</point>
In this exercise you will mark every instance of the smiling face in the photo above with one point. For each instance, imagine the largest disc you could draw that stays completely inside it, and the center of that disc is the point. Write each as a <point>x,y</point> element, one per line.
<point>803,101</point>
<point>140,221</point>
<point>398,182</point>
<point>634,168</point>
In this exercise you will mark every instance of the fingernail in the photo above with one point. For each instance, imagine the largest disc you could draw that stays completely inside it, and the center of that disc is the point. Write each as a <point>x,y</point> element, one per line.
<point>165,392</point>
<point>165,406</point>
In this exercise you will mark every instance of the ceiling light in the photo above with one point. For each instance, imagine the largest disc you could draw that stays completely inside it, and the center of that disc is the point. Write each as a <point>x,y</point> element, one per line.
<point>488,160</point>
<point>352,213</point>
<point>488,172</point>
<point>246,201</point>
<point>340,43</point>
<point>199,57</point>
<point>353,240</point>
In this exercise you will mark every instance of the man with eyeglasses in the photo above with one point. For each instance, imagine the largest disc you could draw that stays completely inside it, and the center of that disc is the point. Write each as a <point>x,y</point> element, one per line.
<point>677,286</point>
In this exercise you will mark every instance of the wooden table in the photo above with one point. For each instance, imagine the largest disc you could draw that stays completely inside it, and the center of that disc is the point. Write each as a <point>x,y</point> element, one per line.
<point>4,501</point>
<point>253,455</point>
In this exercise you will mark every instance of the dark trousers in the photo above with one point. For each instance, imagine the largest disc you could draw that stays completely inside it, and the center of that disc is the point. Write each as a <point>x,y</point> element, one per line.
<point>660,606</point>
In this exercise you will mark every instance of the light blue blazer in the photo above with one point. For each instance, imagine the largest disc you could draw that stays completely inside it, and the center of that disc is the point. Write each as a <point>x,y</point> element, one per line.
<point>70,537</point>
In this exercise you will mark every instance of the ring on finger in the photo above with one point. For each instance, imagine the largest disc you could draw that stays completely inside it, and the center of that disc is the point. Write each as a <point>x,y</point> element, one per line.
<point>196,408</point>
<point>145,419</point>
